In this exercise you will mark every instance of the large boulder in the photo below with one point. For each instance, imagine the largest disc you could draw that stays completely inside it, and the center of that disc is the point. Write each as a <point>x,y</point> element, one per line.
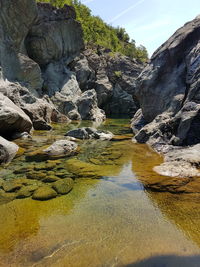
<point>12,118</point>
<point>8,150</point>
<point>16,65</point>
<point>169,92</point>
<point>41,111</point>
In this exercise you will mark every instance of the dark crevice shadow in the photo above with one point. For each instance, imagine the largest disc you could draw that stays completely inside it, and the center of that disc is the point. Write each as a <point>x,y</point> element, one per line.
<point>168,261</point>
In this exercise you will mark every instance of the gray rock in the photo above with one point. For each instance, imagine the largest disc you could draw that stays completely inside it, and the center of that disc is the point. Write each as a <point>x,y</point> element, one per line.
<point>61,148</point>
<point>169,92</point>
<point>54,36</point>
<point>87,107</point>
<point>15,63</point>
<point>8,150</point>
<point>162,84</point>
<point>90,133</point>
<point>12,118</point>
<point>120,103</point>
<point>181,162</point>
<point>58,78</point>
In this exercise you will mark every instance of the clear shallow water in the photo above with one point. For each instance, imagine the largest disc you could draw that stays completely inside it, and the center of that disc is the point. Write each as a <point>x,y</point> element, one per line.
<point>112,221</point>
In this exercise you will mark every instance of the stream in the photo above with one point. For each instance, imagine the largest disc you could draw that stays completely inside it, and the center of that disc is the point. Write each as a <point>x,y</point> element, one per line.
<point>109,218</point>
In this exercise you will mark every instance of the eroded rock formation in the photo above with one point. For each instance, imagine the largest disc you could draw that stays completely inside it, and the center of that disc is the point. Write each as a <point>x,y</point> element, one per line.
<point>168,90</point>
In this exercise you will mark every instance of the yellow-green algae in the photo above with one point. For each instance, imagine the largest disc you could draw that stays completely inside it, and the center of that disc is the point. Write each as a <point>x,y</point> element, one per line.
<point>110,221</point>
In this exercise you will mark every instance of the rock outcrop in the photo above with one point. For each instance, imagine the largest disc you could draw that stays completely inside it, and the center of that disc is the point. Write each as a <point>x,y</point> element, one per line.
<point>168,90</point>
<point>113,76</point>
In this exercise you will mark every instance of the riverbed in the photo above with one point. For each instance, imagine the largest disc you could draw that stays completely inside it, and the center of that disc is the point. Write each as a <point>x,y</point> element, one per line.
<point>110,218</point>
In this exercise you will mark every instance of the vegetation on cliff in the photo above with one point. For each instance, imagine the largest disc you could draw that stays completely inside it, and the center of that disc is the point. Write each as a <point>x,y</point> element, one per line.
<point>97,32</point>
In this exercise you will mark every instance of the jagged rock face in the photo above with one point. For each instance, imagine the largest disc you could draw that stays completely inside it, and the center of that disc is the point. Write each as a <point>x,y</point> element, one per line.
<point>55,35</point>
<point>14,27</point>
<point>112,76</point>
<point>169,91</point>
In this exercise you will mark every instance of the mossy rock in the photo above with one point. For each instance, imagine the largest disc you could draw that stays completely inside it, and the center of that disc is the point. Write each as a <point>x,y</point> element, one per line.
<point>48,165</point>
<point>44,193</point>
<point>26,191</point>
<point>87,170</point>
<point>50,179</point>
<point>64,186</point>
<point>11,186</point>
<point>36,175</point>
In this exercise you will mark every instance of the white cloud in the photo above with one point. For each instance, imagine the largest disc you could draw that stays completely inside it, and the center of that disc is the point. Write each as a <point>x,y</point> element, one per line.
<point>126,11</point>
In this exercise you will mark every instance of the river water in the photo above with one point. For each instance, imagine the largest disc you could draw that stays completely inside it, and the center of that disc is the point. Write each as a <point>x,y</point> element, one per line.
<point>108,219</point>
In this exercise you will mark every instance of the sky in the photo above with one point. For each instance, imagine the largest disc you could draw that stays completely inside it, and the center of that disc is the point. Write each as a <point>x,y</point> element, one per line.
<point>148,22</point>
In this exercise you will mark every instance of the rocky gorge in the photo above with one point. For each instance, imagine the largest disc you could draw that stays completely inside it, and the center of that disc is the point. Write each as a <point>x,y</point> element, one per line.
<point>49,76</point>
<point>98,151</point>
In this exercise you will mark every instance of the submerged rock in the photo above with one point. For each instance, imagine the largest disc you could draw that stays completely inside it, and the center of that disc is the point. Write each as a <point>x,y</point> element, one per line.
<point>44,193</point>
<point>64,186</point>
<point>90,133</point>
<point>8,150</point>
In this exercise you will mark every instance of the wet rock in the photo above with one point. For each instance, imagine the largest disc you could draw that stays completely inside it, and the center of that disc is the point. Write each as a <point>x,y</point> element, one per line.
<point>23,136</point>
<point>34,175</point>
<point>181,162</point>
<point>44,193</point>
<point>26,191</point>
<point>63,186</point>
<point>8,150</point>
<point>11,186</point>
<point>50,179</point>
<point>90,133</point>
<point>61,148</point>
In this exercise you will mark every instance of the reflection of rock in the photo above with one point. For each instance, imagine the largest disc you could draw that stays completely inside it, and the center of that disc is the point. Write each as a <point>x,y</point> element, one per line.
<point>8,150</point>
